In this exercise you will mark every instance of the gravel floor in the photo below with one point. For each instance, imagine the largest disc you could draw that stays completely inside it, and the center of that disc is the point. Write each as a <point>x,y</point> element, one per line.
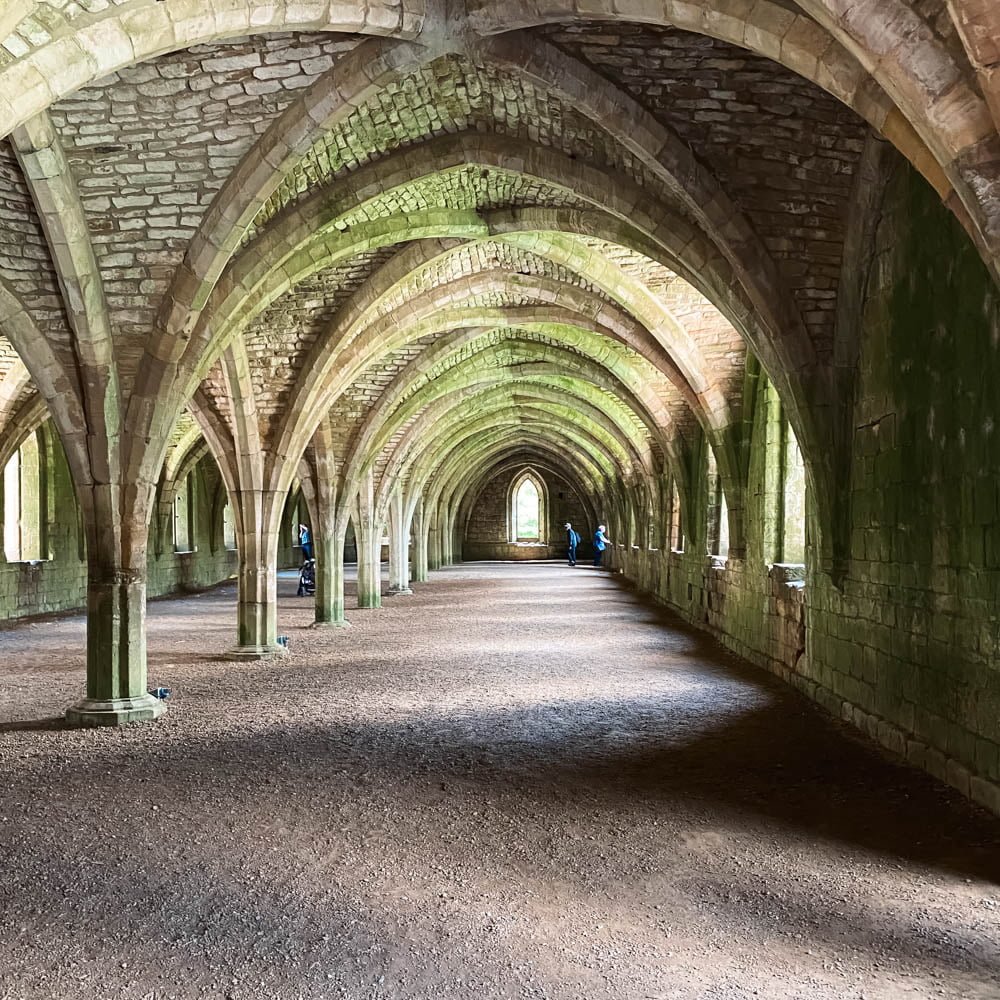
<point>520,782</point>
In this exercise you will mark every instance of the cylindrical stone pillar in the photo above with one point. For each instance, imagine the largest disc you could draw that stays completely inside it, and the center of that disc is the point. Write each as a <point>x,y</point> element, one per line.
<point>330,580</point>
<point>257,611</point>
<point>420,561</point>
<point>116,650</point>
<point>445,536</point>
<point>399,548</point>
<point>369,567</point>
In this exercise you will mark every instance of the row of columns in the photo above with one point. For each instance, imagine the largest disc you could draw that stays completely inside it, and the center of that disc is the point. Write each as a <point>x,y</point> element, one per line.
<point>116,673</point>
<point>416,546</point>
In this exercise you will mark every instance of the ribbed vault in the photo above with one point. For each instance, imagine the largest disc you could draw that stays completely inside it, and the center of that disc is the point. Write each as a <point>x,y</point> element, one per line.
<point>377,257</point>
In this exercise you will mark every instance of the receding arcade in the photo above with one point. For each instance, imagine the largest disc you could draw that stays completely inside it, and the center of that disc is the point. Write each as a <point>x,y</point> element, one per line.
<point>436,279</point>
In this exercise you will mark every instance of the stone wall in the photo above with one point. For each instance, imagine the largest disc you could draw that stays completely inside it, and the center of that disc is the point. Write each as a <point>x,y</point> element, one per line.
<point>209,561</point>
<point>905,649</point>
<point>487,531</point>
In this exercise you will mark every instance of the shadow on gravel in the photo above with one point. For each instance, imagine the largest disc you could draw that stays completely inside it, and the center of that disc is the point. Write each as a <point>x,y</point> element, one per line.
<point>190,916</point>
<point>169,659</point>
<point>782,762</point>
<point>35,725</point>
<point>776,763</point>
<point>277,781</point>
<point>190,906</point>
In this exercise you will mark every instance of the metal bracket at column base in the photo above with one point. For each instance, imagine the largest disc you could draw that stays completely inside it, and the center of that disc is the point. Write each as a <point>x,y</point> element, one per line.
<point>116,711</point>
<point>343,623</point>
<point>256,653</point>
<point>398,591</point>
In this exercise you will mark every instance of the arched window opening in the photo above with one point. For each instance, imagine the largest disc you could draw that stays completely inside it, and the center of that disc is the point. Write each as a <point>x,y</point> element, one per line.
<point>718,513</point>
<point>24,503</point>
<point>12,508</point>
<point>675,538</point>
<point>794,497</point>
<point>784,498</point>
<point>722,548</point>
<point>228,527</point>
<point>184,515</point>
<point>526,512</point>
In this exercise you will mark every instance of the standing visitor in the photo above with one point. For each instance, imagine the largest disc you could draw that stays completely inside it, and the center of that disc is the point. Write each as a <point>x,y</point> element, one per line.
<point>601,542</point>
<point>572,541</point>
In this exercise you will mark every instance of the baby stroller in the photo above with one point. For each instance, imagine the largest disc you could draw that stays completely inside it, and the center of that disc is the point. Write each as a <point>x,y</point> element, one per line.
<point>307,578</point>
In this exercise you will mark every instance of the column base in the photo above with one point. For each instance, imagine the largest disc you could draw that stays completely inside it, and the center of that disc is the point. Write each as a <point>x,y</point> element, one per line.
<point>398,591</point>
<point>115,711</point>
<point>242,653</point>
<point>330,625</point>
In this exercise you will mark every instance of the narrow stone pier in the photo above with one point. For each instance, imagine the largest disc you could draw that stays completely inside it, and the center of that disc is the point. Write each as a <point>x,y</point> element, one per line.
<point>524,781</point>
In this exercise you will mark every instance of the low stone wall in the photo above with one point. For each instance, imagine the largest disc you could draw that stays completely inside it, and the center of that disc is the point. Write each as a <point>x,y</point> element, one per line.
<point>769,617</point>
<point>472,551</point>
<point>33,588</point>
<point>520,551</point>
<point>761,615</point>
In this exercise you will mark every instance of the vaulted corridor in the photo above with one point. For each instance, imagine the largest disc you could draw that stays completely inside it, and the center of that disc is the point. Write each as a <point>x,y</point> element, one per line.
<point>521,781</point>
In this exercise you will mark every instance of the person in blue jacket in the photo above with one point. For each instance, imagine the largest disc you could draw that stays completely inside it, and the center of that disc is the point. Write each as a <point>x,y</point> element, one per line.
<point>601,542</point>
<point>305,540</point>
<point>572,541</point>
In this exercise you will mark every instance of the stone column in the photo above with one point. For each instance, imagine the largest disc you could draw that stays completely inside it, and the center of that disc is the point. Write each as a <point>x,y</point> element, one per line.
<point>116,620</point>
<point>399,546</point>
<point>329,534</point>
<point>369,536</point>
<point>615,555</point>
<point>445,535</point>
<point>420,560</point>
<point>330,577</point>
<point>257,607</point>
<point>433,529</point>
<point>369,567</point>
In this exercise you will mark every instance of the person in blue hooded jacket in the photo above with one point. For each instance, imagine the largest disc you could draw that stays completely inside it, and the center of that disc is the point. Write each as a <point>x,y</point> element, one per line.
<point>601,542</point>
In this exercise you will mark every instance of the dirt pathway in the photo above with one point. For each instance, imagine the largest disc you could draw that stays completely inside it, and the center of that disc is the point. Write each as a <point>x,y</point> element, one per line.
<point>521,782</point>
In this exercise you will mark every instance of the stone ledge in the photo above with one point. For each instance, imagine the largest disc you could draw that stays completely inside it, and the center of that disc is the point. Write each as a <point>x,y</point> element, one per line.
<point>792,574</point>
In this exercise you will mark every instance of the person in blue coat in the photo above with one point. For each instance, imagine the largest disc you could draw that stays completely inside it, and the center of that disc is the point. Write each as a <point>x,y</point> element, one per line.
<point>601,542</point>
<point>305,540</point>
<point>572,541</point>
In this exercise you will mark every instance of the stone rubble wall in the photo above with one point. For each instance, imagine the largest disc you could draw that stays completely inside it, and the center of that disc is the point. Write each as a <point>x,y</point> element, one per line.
<point>486,536</point>
<point>905,647</point>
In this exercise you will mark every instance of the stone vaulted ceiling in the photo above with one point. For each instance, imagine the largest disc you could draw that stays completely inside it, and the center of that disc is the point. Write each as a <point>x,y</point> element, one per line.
<point>405,240</point>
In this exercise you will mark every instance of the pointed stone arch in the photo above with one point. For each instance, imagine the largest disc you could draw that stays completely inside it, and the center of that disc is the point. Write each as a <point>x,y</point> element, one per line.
<point>528,488</point>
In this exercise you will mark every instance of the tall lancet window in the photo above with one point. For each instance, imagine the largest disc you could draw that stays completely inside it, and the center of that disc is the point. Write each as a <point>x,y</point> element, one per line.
<point>526,511</point>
